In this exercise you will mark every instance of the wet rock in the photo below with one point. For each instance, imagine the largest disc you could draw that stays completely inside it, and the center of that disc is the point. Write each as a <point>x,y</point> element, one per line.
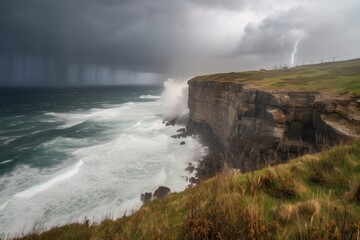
<point>161,192</point>
<point>182,133</point>
<point>182,143</point>
<point>190,168</point>
<point>210,165</point>
<point>171,122</point>
<point>146,196</point>
<point>193,180</point>
<point>181,130</point>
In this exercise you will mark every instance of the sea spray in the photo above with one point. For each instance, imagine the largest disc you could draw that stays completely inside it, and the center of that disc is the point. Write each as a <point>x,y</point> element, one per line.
<point>175,98</point>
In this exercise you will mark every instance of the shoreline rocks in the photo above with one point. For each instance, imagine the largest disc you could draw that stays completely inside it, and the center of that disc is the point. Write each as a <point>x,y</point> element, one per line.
<point>161,192</point>
<point>182,133</point>
<point>170,122</point>
<point>146,196</point>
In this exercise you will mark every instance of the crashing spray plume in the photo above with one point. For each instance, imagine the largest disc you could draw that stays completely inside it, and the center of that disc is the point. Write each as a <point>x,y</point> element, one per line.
<point>175,98</point>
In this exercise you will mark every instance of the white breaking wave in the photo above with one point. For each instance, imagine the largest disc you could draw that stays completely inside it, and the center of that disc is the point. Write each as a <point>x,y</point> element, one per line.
<point>95,114</point>
<point>4,205</point>
<point>149,97</point>
<point>6,161</point>
<point>7,140</point>
<point>137,156</point>
<point>28,193</point>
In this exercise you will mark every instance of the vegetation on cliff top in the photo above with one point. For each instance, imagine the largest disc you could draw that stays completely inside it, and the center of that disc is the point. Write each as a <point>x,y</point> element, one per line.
<point>313,197</point>
<point>338,77</point>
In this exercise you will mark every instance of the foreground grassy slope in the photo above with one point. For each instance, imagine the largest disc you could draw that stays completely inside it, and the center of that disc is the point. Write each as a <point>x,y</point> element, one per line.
<point>338,77</point>
<point>313,197</point>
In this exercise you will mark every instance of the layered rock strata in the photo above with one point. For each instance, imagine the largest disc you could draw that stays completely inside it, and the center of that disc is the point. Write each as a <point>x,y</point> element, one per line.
<point>263,127</point>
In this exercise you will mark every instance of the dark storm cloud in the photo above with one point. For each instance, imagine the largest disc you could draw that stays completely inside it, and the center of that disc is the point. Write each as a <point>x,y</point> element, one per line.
<point>77,38</point>
<point>136,35</point>
<point>323,29</point>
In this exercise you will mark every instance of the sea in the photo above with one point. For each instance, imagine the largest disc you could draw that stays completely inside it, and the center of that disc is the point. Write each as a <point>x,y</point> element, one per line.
<point>71,154</point>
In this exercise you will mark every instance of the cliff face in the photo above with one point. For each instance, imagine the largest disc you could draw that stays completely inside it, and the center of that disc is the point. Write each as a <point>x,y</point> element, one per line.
<point>261,127</point>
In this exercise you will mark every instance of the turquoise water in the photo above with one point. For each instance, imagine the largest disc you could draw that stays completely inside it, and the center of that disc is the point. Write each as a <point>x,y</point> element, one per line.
<point>67,154</point>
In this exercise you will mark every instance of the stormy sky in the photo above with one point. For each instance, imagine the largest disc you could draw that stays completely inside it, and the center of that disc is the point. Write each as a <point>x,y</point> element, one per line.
<point>92,42</point>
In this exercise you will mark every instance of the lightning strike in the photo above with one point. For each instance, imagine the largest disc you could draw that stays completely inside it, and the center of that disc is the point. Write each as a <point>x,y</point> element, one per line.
<point>293,54</point>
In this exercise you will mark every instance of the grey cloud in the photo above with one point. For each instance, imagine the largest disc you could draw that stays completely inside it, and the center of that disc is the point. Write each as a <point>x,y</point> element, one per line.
<point>273,33</point>
<point>136,35</point>
<point>167,36</point>
<point>323,27</point>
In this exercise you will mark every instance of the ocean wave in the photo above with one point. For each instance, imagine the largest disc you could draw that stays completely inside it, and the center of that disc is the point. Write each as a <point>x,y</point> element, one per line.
<point>149,97</point>
<point>95,114</point>
<point>6,161</point>
<point>4,205</point>
<point>112,113</point>
<point>7,140</point>
<point>136,155</point>
<point>28,193</point>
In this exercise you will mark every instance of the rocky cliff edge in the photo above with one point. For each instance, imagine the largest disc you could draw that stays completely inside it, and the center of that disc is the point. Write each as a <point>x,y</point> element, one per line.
<point>255,128</point>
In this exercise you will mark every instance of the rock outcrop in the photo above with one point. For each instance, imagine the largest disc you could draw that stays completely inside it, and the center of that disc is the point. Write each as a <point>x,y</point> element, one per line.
<point>161,192</point>
<point>262,127</point>
<point>146,196</point>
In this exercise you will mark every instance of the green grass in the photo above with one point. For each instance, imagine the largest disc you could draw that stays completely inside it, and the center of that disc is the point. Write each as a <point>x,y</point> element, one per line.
<point>338,78</point>
<point>313,197</point>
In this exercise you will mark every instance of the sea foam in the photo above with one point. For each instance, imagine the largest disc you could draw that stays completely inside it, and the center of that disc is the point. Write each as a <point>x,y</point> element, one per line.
<point>28,193</point>
<point>95,114</point>
<point>100,178</point>
<point>149,97</point>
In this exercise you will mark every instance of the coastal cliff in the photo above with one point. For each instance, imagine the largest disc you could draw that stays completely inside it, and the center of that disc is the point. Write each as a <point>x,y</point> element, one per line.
<point>252,119</point>
<point>258,127</point>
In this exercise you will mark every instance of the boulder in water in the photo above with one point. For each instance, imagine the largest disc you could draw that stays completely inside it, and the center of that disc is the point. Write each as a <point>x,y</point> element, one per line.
<point>190,167</point>
<point>171,122</point>
<point>161,192</point>
<point>146,196</point>
<point>193,180</point>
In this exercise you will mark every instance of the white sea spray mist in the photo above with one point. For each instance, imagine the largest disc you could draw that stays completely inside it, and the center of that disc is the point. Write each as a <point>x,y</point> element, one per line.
<point>175,99</point>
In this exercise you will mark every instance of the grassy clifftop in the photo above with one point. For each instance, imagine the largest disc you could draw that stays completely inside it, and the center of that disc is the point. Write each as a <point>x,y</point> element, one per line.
<point>338,77</point>
<point>313,197</point>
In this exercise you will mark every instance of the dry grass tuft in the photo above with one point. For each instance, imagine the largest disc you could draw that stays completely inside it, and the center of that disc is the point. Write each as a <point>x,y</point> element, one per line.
<point>301,210</point>
<point>278,185</point>
<point>354,191</point>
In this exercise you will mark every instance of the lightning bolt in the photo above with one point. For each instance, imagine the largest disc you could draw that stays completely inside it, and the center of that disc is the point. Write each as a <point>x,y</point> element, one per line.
<point>293,54</point>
